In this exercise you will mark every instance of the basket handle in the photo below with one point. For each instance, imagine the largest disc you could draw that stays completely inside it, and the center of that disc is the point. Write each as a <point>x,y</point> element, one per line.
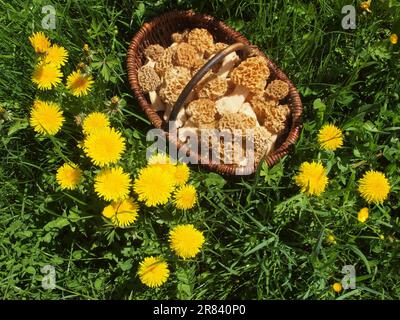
<point>200,74</point>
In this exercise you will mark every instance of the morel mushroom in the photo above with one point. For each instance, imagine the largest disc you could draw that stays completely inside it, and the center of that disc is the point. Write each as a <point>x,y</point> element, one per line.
<point>201,39</point>
<point>165,61</point>
<point>218,47</point>
<point>261,105</point>
<point>154,52</point>
<point>277,89</point>
<point>175,80</point>
<point>149,81</point>
<point>212,88</point>
<point>249,76</point>
<point>236,122</point>
<point>201,111</point>
<point>179,37</point>
<point>275,119</point>
<point>262,143</point>
<point>251,73</point>
<point>185,55</point>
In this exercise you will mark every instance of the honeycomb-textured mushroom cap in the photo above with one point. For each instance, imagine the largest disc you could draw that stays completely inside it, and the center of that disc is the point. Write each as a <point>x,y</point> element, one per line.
<point>262,141</point>
<point>177,73</point>
<point>277,89</point>
<point>154,52</point>
<point>275,119</point>
<point>261,105</point>
<point>185,55</point>
<point>148,79</point>
<point>201,39</point>
<point>218,47</point>
<point>236,121</point>
<point>214,88</point>
<point>251,73</point>
<point>261,137</point>
<point>175,80</point>
<point>197,64</point>
<point>201,111</point>
<point>179,37</point>
<point>211,125</point>
<point>165,61</point>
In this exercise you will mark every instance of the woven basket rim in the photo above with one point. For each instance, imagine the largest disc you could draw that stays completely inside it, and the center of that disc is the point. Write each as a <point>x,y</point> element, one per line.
<point>294,100</point>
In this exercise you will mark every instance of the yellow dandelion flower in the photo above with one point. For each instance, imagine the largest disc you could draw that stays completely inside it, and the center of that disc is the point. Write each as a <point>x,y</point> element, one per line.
<point>94,122</point>
<point>159,159</point>
<point>337,287</point>
<point>46,75</point>
<point>162,161</point>
<point>331,239</point>
<point>374,187</point>
<point>112,184</point>
<point>56,55</point>
<point>394,38</point>
<point>182,173</point>
<point>46,117</point>
<point>122,213</point>
<point>363,215</point>
<point>81,144</point>
<point>68,176</point>
<point>153,271</point>
<point>104,146</point>
<point>366,5</point>
<point>39,42</point>
<point>312,178</point>
<point>186,240</point>
<point>79,83</point>
<point>330,137</point>
<point>154,186</point>
<point>185,197</point>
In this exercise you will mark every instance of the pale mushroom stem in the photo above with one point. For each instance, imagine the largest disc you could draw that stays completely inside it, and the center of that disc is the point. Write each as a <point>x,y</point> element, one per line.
<point>228,64</point>
<point>233,102</point>
<point>156,102</point>
<point>155,99</point>
<point>248,111</point>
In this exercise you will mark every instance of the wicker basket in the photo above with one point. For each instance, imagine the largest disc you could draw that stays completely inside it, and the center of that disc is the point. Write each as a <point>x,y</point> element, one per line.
<point>159,31</point>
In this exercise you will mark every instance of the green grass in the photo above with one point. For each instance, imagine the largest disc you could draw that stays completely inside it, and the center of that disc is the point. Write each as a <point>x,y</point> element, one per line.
<point>265,240</point>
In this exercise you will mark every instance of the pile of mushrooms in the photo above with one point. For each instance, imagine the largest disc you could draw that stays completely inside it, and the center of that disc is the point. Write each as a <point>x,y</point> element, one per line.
<point>234,96</point>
